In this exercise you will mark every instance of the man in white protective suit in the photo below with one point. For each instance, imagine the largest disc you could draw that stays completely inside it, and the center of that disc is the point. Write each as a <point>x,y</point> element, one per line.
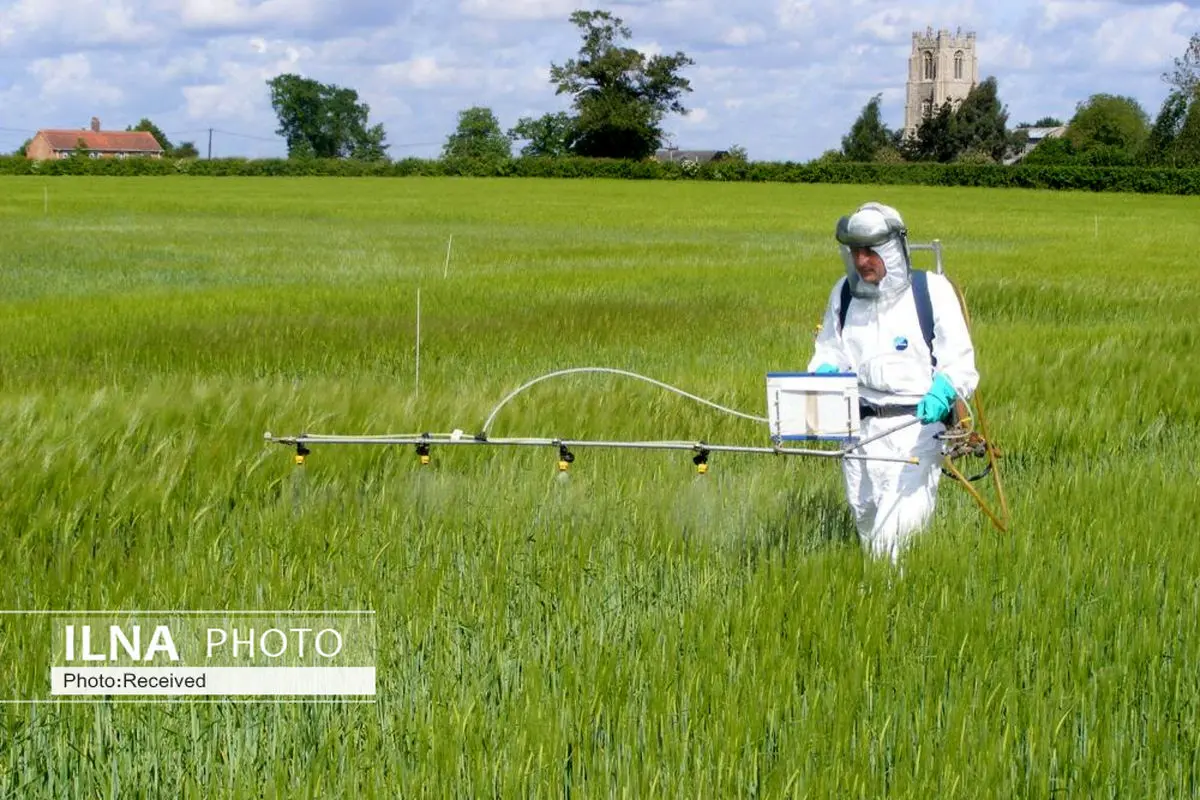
<point>900,378</point>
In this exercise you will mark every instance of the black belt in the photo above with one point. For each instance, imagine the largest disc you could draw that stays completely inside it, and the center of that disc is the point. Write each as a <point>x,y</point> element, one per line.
<point>865,411</point>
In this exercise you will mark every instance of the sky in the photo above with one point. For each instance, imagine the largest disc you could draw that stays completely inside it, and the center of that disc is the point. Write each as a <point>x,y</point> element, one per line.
<point>783,79</point>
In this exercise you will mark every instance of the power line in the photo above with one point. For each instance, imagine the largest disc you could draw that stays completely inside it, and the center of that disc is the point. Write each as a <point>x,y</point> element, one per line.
<point>248,136</point>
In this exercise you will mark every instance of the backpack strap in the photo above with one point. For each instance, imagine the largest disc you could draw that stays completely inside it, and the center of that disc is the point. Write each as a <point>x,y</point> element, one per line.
<point>920,286</point>
<point>844,304</point>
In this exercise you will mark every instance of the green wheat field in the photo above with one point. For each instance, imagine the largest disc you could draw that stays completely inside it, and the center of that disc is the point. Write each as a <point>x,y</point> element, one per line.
<point>636,630</point>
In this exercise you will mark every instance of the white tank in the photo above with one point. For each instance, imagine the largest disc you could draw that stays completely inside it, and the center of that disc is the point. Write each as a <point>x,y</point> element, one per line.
<point>806,406</point>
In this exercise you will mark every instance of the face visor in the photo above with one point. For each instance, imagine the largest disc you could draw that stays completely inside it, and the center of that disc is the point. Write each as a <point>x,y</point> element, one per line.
<point>884,234</point>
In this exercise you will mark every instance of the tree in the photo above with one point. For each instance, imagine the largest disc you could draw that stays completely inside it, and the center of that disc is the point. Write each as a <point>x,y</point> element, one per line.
<point>1047,122</point>
<point>934,139</point>
<point>889,155</point>
<point>478,135</point>
<point>1185,78</point>
<point>1185,150</point>
<point>324,121</point>
<point>1105,120</point>
<point>181,150</point>
<point>974,156</point>
<point>149,127</point>
<point>610,126</point>
<point>545,136</point>
<point>619,94</point>
<point>977,127</point>
<point>1106,155</point>
<point>980,124</point>
<point>1018,141</point>
<point>1158,147</point>
<point>24,148</point>
<point>1051,151</point>
<point>1175,137</point>
<point>868,135</point>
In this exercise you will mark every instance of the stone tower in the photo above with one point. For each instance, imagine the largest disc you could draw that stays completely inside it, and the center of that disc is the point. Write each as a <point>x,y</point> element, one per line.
<point>942,67</point>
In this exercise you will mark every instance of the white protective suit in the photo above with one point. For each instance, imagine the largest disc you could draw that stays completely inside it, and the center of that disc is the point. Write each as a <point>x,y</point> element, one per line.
<point>883,344</point>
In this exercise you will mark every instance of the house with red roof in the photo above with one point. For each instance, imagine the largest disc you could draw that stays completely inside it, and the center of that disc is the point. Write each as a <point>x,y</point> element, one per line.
<point>98,144</point>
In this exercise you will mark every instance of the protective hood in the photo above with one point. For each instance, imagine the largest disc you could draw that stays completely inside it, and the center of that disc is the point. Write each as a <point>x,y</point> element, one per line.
<point>895,281</point>
<point>880,228</point>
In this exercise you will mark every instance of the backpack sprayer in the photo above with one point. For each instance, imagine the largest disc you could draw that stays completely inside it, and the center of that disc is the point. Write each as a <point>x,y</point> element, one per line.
<point>966,443</point>
<point>802,408</point>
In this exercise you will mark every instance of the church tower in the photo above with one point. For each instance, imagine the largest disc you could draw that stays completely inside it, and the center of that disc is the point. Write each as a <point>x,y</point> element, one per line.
<point>942,67</point>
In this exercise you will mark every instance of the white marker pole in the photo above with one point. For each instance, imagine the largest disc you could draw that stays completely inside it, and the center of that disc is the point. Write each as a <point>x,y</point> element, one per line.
<point>418,377</point>
<point>446,268</point>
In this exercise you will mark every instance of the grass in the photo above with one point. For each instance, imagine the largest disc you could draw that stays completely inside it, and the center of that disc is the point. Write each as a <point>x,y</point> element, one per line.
<point>635,631</point>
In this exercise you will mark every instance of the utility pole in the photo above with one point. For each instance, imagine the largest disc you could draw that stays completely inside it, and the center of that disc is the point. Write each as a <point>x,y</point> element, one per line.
<point>210,144</point>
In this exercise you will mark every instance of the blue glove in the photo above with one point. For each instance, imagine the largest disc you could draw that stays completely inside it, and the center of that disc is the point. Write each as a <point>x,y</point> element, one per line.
<point>935,405</point>
<point>826,369</point>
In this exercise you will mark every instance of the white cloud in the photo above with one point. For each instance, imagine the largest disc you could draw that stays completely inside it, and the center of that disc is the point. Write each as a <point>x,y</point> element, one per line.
<point>1011,51</point>
<point>242,94</point>
<point>235,14</point>
<point>696,116</point>
<point>519,9</point>
<point>61,22</point>
<point>896,25</point>
<point>421,72</point>
<point>119,23</point>
<point>29,16</point>
<point>479,83</point>
<point>214,102</point>
<point>1141,37</point>
<point>71,77</point>
<point>741,35</point>
<point>190,64</point>
<point>1055,13</point>
<point>215,13</point>
<point>794,15</point>
<point>689,9</point>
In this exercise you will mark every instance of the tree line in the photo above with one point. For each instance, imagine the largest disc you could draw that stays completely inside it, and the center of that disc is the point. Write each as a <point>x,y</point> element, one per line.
<point>1106,130</point>
<point>620,97</point>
